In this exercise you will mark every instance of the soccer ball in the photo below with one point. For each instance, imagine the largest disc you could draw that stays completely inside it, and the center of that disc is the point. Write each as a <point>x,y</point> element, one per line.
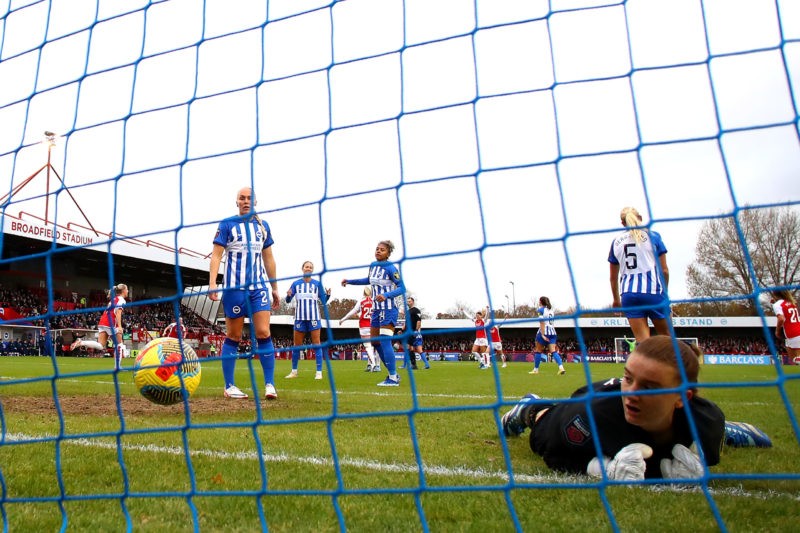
<point>163,374</point>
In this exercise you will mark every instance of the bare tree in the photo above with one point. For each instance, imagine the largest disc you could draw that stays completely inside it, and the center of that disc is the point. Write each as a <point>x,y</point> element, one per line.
<point>759,248</point>
<point>457,311</point>
<point>337,308</point>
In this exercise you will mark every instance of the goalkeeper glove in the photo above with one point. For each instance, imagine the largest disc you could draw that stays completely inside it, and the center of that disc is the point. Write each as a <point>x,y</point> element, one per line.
<point>627,465</point>
<point>685,464</point>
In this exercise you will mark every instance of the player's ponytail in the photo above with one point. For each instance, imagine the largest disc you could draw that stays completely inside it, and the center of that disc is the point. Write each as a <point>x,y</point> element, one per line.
<point>545,301</point>
<point>630,217</point>
<point>784,295</point>
<point>116,289</point>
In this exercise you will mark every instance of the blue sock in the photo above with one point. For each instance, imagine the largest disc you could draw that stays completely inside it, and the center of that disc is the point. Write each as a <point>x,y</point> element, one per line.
<point>295,357</point>
<point>388,355</point>
<point>557,358</point>
<point>228,354</point>
<point>266,355</point>
<point>537,358</point>
<point>318,356</point>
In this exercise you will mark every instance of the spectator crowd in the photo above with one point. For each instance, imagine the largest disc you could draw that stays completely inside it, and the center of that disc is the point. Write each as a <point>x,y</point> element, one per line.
<point>156,316</point>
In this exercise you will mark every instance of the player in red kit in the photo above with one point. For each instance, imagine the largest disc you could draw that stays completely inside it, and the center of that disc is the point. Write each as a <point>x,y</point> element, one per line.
<point>788,321</point>
<point>497,343</point>
<point>480,348</point>
<point>173,329</point>
<point>364,311</point>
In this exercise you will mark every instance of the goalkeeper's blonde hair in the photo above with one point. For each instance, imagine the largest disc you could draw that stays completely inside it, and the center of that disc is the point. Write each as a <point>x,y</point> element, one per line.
<point>630,217</point>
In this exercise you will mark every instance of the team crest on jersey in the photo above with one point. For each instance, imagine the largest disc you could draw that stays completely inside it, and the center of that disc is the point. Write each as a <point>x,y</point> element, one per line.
<point>577,431</point>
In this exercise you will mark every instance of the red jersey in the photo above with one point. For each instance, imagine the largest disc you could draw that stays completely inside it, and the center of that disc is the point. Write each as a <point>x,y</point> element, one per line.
<point>495,332</point>
<point>107,318</point>
<point>172,331</point>
<point>480,331</point>
<point>365,313</point>
<point>791,324</point>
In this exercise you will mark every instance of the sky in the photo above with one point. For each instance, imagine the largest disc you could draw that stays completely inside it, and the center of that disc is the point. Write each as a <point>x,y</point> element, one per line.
<point>493,141</point>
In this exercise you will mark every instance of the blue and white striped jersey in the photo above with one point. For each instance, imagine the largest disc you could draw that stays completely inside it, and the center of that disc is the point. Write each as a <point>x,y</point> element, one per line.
<point>547,315</point>
<point>307,295</point>
<point>384,278</point>
<point>638,262</point>
<point>244,240</point>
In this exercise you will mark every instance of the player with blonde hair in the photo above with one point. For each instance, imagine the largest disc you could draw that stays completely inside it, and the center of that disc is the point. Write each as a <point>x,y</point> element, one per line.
<point>639,276</point>
<point>364,311</point>
<point>245,241</point>
<point>110,325</point>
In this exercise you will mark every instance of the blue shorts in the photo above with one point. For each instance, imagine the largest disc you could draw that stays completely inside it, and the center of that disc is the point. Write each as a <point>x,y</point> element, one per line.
<point>235,302</point>
<point>553,339</point>
<point>415,340</point>
<point>657,306</point>
<point>384,317</point>
<point>304,326</point>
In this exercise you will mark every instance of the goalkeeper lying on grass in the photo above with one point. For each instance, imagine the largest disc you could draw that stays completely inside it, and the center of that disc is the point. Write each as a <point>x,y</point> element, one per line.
<point>641,435</point>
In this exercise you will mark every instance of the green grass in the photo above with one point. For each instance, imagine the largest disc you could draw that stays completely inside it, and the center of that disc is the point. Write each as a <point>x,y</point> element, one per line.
<point>350,460</point>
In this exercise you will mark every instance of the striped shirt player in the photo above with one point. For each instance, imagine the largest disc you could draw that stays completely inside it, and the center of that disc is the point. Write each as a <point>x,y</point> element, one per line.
<point>547,331</point>
<point>364,311</point>
<point>639,276</point>
<point>546,338</point>
<point>386,283</point>
<point>243,244</point>
<point>307,294</point>
<point>384,280</point>
<point>244,240</point>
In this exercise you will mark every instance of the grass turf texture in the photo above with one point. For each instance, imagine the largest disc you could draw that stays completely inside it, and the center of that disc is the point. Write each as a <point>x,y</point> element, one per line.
<point>349,460</point>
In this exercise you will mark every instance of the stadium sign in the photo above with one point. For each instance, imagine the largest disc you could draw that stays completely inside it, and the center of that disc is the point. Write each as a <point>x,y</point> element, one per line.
<point>737,359</point>
<point>677,322</point>
<point>46,233</point>
<point>604,358</point>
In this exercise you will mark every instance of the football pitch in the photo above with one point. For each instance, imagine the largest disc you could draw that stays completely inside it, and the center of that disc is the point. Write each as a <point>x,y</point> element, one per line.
<point>81,450</point>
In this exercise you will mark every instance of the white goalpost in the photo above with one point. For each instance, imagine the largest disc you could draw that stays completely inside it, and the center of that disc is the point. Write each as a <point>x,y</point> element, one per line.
<point>623,346</point>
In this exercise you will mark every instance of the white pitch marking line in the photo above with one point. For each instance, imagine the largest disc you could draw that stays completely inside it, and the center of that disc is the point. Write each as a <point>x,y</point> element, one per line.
<point>435,470</point>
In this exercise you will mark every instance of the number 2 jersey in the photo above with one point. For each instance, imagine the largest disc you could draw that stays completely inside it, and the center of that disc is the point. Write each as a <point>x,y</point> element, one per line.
<point>244,240</point>
<point>638,262</point>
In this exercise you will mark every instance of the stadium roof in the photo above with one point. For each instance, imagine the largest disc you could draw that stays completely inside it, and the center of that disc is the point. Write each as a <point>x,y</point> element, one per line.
<point>135,260</point>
